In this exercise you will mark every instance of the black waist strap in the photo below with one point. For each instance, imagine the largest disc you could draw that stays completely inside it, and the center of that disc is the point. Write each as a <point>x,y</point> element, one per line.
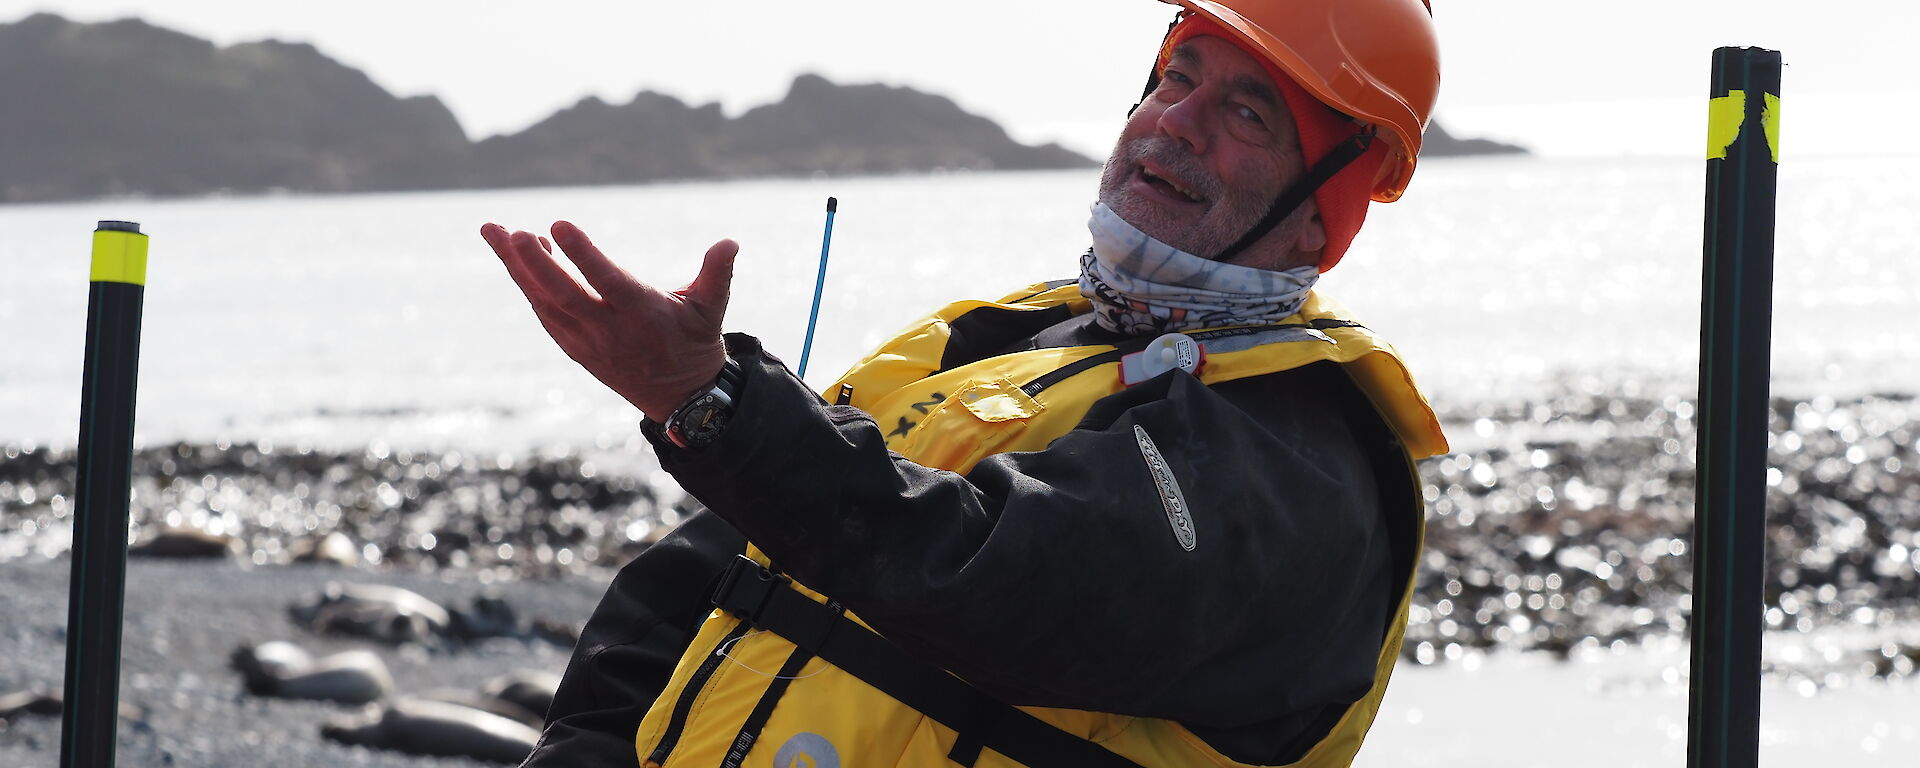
<point>764,600</point>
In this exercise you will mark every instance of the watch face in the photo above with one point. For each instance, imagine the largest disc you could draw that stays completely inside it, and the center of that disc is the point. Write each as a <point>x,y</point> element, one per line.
<point>701,420</point>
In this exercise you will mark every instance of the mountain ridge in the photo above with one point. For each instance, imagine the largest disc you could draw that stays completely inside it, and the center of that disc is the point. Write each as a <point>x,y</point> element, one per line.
<point>125,107</point>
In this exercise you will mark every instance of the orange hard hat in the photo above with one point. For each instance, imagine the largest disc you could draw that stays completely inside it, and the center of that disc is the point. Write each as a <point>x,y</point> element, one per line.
<point>1374,60</point>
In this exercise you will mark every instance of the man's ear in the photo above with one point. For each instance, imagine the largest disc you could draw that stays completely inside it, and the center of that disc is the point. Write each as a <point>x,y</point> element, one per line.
<point>1313,236</point>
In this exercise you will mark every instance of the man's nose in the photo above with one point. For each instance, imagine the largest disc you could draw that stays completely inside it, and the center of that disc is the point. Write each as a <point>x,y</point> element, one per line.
<point>1187,120</point>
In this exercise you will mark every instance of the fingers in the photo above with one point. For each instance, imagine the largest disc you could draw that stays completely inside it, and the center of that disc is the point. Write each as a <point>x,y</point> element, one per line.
<point>545,284</point>
<point>709,290</point>
<point>601,273</point>
<point>529,260</point>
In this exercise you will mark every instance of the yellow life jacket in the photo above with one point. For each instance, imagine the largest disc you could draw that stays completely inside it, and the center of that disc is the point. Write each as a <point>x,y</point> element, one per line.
<point>716,708</point>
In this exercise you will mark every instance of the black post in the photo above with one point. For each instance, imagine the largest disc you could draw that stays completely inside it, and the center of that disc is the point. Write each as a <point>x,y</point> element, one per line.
<point>89,727</point>
<point>1729,524</point>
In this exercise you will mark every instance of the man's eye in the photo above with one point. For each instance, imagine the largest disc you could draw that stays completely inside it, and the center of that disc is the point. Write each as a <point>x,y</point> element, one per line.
<point>1250,115</point>
<point>1176,76</point>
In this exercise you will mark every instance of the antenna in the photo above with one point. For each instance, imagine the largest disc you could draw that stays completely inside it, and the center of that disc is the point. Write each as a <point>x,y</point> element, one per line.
<point>819,285</point>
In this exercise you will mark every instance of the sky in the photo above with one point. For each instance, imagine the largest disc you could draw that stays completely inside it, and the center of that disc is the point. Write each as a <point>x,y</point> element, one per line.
<point>1565,79</point>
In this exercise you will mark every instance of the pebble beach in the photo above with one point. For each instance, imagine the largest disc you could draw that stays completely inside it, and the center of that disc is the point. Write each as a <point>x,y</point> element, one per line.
<point>1557,527</point>
<point>399,419</point>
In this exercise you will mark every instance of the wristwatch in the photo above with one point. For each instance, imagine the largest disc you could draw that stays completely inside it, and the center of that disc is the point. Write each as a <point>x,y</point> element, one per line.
<point>698,423</point>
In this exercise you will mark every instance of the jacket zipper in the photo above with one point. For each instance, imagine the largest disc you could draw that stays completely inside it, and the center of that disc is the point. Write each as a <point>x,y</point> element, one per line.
<point>684,706</point>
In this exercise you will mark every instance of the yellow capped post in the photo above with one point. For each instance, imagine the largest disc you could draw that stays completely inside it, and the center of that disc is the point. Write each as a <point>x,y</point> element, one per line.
<point>119,253</point>
<point>1730,476</point>
<point>91,709</point>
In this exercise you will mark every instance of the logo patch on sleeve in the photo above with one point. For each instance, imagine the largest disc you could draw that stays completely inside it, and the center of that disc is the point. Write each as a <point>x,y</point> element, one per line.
<point>1169,488</point>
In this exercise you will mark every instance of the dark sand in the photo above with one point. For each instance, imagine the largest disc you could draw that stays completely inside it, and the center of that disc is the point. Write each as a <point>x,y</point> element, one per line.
<point>1553,524</point>
<point>185,617</point>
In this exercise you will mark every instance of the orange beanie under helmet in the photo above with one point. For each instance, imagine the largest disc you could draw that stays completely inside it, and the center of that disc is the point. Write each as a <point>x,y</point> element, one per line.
<point>1343,199</point>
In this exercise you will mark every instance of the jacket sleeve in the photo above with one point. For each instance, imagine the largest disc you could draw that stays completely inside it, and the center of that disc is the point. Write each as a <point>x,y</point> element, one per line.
<point>1056,578</point>
<point>630,645</point>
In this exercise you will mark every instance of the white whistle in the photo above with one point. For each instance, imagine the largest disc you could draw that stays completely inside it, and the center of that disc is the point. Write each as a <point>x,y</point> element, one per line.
<point>1174,350</point>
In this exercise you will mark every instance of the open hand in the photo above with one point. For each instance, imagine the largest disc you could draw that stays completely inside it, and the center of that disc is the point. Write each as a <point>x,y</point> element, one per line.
<point>654,348</point>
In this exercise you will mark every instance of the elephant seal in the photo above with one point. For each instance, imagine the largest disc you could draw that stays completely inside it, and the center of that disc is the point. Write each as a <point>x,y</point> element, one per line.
<point>524,695</point>
<point>332,549</point>
<point>283,670</point>
<point>484,703</point>
<point>425,727</point>
<point>28,702</point>
<point>381,612</point>
<point>560,633</point>
<point>488,616</point>
<point>186,543</point>
<point>528,689</point>
<point>42,702</point>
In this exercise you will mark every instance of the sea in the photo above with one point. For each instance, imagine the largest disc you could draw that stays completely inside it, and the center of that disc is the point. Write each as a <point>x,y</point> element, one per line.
<point>354,318</point>
<point>381,325</point>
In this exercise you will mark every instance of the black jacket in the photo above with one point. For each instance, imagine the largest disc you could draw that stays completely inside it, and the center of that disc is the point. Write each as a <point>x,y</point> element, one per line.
<point>1028,577</point>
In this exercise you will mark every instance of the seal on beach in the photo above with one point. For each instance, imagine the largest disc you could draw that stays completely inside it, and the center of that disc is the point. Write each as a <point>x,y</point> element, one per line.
<point>332,549</point>
<point>523,695</point>
<point>381,612</point>
<point>42,702</point>
<point>531,690</point>
<point>561,633</point>
<point>486,703</point>
<point>425,727</point>
<point>186,543</point>
<point>28,702</point>
<point>488,616</point>
<point>283,670</point>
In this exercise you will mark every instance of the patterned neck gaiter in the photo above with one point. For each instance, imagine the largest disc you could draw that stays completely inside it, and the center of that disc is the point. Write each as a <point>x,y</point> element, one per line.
<point>1140,286</point>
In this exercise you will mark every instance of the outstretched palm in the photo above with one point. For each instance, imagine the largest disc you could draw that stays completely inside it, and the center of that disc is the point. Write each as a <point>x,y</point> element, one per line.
<point>655,348</point>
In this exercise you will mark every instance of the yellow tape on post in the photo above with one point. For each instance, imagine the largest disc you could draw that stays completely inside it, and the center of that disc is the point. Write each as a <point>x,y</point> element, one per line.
<point>1726,115</point>
<point>1771,117</point>
<point>119,257</point>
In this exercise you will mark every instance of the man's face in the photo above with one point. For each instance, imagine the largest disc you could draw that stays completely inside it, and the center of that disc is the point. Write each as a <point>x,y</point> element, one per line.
<point>1204,157</point>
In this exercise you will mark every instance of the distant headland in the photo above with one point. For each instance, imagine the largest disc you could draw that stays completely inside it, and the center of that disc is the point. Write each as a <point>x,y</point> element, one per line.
<point>125,108</point>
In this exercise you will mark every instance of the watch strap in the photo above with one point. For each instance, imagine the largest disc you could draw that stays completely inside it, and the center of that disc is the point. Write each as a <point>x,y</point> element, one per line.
<point>720,395</point>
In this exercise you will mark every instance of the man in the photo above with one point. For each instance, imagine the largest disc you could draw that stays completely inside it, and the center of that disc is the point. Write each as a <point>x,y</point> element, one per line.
<point>1161,516</point>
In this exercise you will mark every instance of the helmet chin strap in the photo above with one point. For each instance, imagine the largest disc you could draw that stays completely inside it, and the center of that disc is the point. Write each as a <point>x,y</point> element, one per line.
<point>1293,197</point>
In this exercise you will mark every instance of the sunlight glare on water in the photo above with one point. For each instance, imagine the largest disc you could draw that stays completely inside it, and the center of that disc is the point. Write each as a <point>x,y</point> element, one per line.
<point>349,318</point>
<point>372,347</point>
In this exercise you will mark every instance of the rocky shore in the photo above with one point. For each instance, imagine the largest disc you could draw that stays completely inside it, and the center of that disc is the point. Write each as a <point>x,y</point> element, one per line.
<point>1556,525</point>
<point>1571,524</point>
<point>184,620</point>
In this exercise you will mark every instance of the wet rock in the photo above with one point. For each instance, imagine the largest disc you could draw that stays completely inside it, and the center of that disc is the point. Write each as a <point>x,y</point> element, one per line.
<point>514,516</point>
<point>1569,521</point>
<point>1558,522</point>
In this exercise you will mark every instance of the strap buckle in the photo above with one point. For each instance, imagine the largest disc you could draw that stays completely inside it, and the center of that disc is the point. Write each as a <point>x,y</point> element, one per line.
<point>745,588</point>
